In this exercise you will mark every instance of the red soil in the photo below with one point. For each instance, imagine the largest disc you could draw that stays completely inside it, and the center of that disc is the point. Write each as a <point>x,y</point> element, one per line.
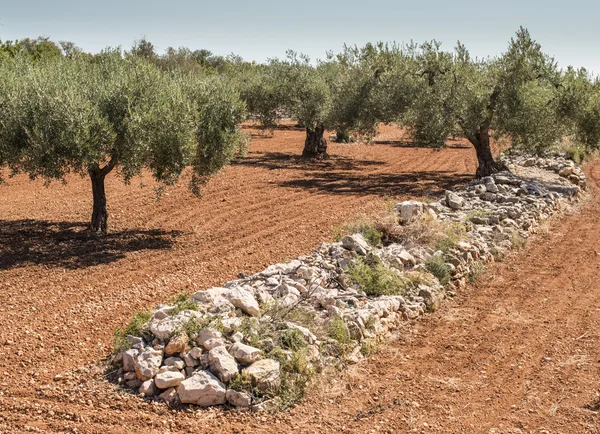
<point>519,350</point>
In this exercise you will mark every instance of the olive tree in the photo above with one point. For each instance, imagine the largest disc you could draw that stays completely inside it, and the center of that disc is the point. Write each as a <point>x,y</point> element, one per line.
<point>579,107</point>
<point>91,116</point>
<point>514,95</point>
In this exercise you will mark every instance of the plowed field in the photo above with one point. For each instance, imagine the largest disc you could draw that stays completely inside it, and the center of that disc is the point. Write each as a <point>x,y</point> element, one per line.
<point>519,352</point>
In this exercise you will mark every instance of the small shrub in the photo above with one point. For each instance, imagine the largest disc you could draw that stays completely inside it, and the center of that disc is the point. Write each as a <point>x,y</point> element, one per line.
<point>475,272</point>
<point>241,382</point>
<point>368,347</point>
<point>575,152</point>
<point>134,328</point>
<point>518,242</point>
<point>437,266</point>
<point>292,339</point>
<point>338,330</point>
<point>362,225</point>
<point>183,302</point>
<point>453,234</point>
<point>375,279</point>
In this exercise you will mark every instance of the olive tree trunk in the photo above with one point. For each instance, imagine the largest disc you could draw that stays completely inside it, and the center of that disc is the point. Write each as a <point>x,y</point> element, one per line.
<point>486,163</point>
<point>315,145</point>
<point>99,223</point>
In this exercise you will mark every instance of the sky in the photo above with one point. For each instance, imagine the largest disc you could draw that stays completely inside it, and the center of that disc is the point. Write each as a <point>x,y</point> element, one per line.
<point>259,29</point>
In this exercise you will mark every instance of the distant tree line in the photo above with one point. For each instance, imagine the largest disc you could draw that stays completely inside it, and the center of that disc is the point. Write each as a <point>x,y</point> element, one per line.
<point>63,110</point>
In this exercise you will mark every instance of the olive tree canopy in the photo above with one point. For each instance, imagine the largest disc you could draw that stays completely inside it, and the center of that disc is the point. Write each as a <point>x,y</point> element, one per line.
<point>91,115</point>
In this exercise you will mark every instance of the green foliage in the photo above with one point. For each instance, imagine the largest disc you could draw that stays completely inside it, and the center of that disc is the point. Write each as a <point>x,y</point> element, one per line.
<point>183,302</point>
<point>436,265</point>
<point>476,270</point>
<point>376,279</point>
<point>363,225</point>
<point>241,382</point>
<point>338,330</point>
<point>84,115</point>
<point>292,339</point>
<point>134,328</point>
<point>453,234</point>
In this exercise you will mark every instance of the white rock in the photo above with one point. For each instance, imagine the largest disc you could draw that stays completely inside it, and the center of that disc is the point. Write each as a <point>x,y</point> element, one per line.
<point>163,329</point>
<point>170,396</point>
<point>408,210</point>
<point>164,380</point>
<point>148,388</point>
<point>202,388</point>
<point>265,374</point>
<point>308,335</point>
<point>213,343</point>
<point>175,362</point>
<point>231,324</point>
<point>406,258</point>
<point>453,200</point>
<point>238,399</point>
<point>237,337</point>
<point>222,363</point>
<point>147,363</point>
<point>245,353</point>
<point>129,360</point>
<point>207,334</point>
<point>244,300</point>
<point>356,243</point>
<point>209,295</point>
<point>196,353</point>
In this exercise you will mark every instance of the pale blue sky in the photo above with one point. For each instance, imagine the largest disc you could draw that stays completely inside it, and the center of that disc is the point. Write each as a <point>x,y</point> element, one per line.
<point>258,29</point>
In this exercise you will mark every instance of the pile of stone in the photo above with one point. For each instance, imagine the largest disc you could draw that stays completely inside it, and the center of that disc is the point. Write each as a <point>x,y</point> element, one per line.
<point>198,352</point>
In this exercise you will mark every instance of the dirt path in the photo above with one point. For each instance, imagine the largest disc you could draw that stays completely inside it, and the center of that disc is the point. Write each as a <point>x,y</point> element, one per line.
<point>518,352</point>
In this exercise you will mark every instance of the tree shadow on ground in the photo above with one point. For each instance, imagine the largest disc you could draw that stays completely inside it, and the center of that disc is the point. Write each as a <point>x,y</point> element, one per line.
<point>69,245</point>
<point>425,183</point>
<point>411,144</point>
<point>281,160</point>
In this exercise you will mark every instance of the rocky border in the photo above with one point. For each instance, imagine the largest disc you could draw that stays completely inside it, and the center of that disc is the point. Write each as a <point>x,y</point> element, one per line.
<point>255,341</point>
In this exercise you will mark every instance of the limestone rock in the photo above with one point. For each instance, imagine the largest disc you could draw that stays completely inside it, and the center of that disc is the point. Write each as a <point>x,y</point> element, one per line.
<point>222,363</point>
<point>164,380</point>
<point>408,210</point>
<point>177,344</point>
<point>243,300</point>
<point>148,388</point>
<point>453,200</point>
<point>356,243</point>
<point>202,388</point>
<point>238,399</point>
<point>207,334</point>
<point>245,353</point>
<point>264,374</point>
<point>129,360</point>
<point>147,363</point>
<point>170,396</point>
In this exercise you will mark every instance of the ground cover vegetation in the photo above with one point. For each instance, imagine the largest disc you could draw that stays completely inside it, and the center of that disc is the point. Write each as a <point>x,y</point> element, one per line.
<point>63,110</point>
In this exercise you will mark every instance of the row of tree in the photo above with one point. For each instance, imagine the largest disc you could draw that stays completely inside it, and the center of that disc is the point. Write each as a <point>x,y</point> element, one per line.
<point>63,110</point>
<point>520,95</point>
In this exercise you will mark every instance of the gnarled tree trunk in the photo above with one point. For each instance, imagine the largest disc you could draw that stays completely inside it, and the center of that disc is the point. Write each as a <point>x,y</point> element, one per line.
<point>315,145</point>
<point>486,163</point>
<point>99,223</point>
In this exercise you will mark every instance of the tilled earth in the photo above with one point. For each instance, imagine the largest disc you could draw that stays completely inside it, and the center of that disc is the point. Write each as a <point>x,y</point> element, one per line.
<point>518,352</point>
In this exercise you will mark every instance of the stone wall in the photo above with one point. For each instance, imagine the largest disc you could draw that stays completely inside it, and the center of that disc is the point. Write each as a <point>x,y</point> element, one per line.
<point>258,337</point>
